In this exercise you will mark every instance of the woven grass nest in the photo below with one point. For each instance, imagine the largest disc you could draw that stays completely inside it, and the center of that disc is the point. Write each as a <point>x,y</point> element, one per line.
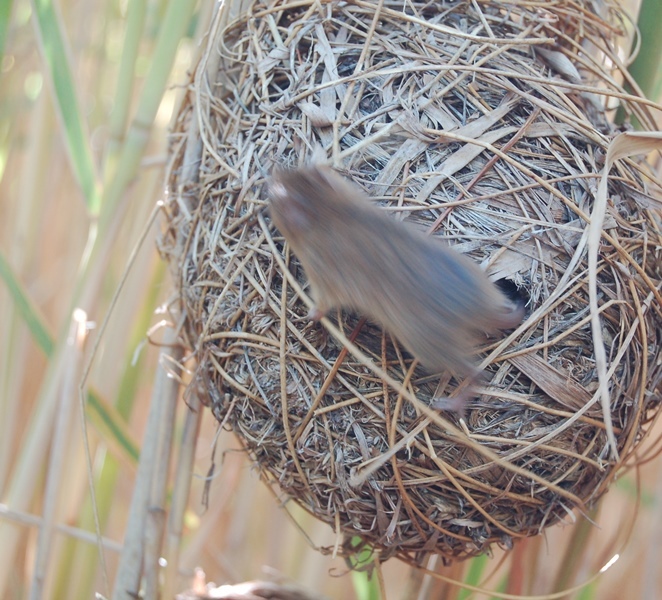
<point>486,123</point>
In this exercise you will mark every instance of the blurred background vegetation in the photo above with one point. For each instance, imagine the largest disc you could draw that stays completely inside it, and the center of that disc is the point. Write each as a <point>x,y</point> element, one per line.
<point>87,90</point>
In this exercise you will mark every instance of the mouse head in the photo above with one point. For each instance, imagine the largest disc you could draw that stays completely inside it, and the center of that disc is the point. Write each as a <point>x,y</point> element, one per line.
<point>292,202</point>
<point>304,199</point>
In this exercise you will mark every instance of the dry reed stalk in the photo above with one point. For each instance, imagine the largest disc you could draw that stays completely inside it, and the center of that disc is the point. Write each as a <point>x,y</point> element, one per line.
<point>141,552</point>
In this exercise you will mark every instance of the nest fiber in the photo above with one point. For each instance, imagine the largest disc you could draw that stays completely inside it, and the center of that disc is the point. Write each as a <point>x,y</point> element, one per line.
<point>486,123</point>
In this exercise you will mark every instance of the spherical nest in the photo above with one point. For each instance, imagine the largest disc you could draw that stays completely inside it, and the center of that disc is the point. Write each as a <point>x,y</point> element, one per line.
<point>486,123</point>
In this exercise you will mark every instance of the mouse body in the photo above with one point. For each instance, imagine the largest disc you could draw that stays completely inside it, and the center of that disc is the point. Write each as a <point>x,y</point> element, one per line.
<point>434,300</point>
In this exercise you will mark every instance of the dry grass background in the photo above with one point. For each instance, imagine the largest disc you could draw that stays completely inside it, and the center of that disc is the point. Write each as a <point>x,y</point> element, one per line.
<point>50,202</point>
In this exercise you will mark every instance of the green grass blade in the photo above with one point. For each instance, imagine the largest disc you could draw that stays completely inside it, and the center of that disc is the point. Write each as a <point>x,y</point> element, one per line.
<point>587,592</point>
<point>111,424</point>
<point>174,26</point>
<point>5,14</point>
<point>27,309</point>
<point>119,116</point>
<point>55,56</point>
<point>366,585</point>
<point>99,411</point>
<point>646,67</point>
<point>474,576</point>
<point>578,548</point>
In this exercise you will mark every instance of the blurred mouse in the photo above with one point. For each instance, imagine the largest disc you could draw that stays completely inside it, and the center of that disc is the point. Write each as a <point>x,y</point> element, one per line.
<point>434,300</point>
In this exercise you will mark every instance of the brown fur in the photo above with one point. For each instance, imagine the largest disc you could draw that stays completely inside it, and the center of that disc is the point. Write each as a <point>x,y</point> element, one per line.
<point>434,300</point>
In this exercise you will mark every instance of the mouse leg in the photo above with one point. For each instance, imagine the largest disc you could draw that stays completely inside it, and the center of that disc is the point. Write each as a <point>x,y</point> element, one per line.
<point>320,307</point>
<point>315,313</point>
<point>458,402</point>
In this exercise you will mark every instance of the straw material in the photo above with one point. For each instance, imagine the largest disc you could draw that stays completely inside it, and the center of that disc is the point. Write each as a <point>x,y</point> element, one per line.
<point>485,123</point>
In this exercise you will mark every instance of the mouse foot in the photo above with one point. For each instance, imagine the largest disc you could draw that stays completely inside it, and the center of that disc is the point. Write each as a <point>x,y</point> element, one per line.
<point>456,404</point>
<point>315,314</point>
